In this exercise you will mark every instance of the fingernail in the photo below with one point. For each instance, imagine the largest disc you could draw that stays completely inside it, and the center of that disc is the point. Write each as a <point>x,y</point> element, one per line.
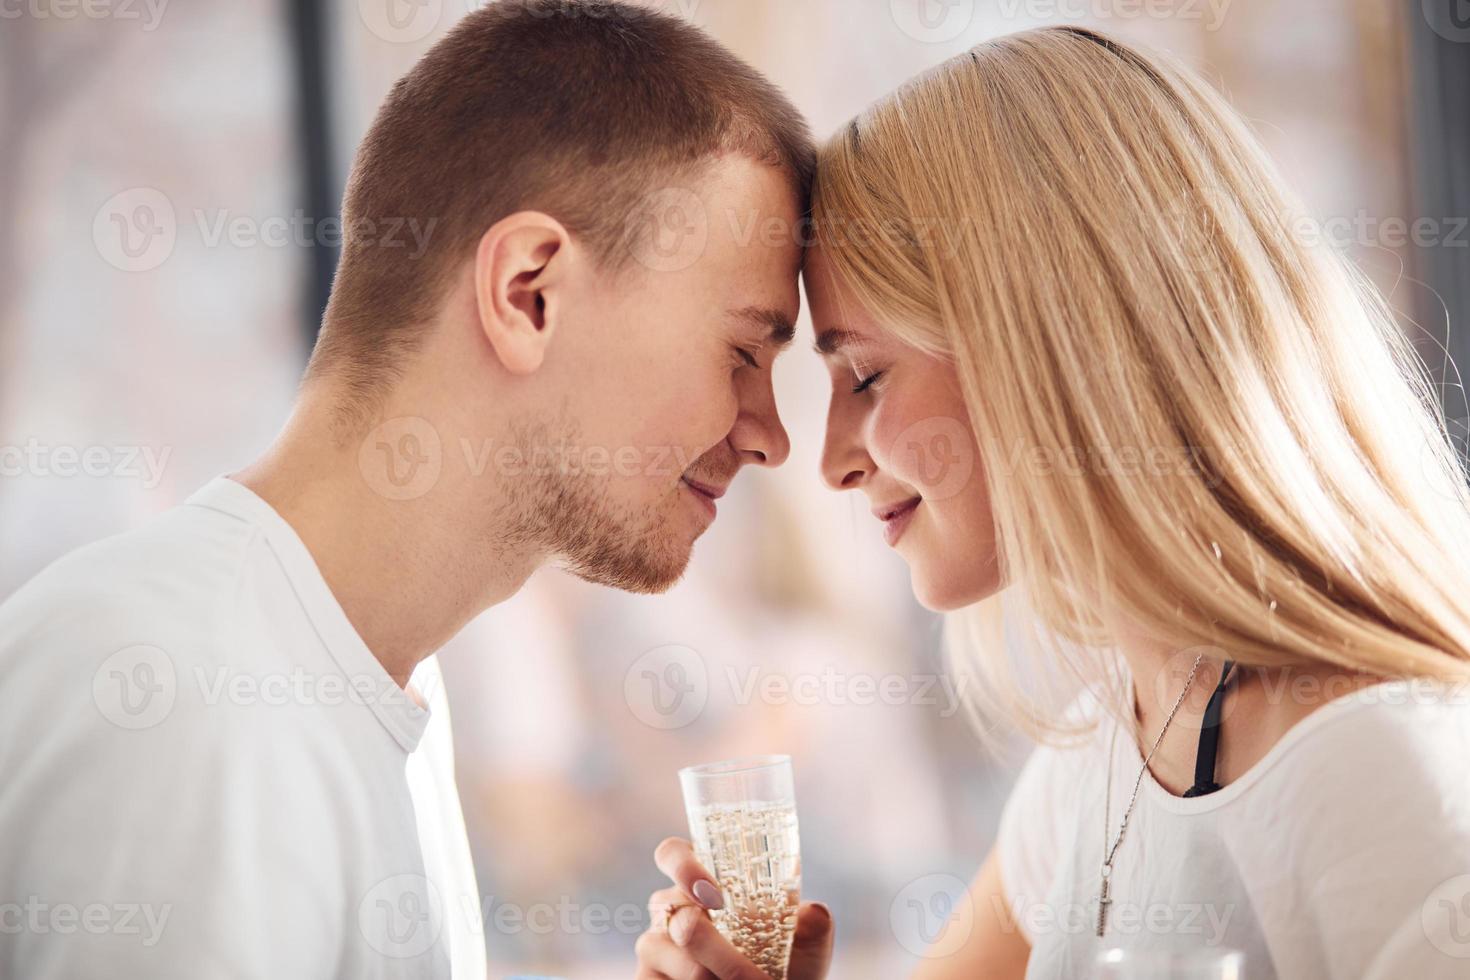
<point>681,927</point>
<point>826,912</point>
<point>709,896</point>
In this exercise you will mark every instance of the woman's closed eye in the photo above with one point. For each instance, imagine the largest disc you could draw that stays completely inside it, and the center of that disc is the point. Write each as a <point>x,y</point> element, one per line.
<point>866,382</point>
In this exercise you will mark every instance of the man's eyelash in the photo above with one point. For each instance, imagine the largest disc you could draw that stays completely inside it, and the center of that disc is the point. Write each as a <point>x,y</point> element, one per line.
<point>866,383</point>
<point>748,357</point>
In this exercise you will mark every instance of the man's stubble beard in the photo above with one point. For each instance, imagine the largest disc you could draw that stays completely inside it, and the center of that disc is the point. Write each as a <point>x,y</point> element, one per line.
<point>600,542</point>
<point>574,518</point>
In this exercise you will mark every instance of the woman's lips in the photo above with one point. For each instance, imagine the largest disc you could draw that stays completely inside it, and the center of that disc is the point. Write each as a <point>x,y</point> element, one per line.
<point>896,519</point>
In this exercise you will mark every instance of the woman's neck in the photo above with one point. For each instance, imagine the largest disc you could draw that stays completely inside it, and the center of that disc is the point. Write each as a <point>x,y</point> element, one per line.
<point>1259,706</point>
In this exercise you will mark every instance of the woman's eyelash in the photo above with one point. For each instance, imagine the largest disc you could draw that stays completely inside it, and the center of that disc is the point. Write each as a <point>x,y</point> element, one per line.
<point>866,383</point>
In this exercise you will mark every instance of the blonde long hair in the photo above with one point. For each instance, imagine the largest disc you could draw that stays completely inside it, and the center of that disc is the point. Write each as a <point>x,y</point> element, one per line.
<point>1188,416</point>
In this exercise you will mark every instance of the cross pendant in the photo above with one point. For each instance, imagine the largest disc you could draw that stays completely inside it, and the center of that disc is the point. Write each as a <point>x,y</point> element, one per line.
<point>1103,901</point>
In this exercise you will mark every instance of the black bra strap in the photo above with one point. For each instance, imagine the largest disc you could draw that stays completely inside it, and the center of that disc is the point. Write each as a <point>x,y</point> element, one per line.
<point>1209,740</point>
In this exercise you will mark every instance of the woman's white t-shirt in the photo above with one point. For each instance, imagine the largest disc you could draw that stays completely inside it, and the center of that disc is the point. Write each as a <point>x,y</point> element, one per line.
<point>1343,853</point>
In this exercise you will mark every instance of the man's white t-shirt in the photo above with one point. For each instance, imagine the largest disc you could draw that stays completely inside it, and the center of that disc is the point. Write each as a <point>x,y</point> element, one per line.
<point>204,772</point>
<point>1343,854</point>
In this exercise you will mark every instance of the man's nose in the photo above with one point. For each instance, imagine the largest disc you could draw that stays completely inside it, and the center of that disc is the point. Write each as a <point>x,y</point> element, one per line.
<point>758,435</point>
<point>761,441</point>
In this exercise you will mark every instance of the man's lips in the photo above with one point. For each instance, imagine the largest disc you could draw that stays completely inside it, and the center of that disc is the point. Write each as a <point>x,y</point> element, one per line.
<point>710,491</point>
<point>706,494</point>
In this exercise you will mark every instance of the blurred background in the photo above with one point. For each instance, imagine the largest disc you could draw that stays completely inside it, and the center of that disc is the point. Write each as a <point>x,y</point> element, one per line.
<point>168,172</point>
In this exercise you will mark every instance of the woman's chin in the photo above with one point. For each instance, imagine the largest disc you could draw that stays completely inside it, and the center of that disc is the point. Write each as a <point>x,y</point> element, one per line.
<point>943,590</point>
<point>941,593</point>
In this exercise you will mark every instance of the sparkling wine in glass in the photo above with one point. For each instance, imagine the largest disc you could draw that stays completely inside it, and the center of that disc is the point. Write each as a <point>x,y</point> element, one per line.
<point>742,820</point>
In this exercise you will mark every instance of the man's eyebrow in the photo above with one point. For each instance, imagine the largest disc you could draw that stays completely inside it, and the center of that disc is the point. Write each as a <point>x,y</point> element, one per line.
<point>833,340</point>
<point>782,329</point>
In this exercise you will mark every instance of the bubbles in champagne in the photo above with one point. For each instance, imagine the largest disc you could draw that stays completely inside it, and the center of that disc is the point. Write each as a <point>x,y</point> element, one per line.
<point>752,850</point>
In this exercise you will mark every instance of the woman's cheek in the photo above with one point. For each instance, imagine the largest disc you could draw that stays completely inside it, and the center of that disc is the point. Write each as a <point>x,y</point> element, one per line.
<point>885,435</point>
<point>924,443</point>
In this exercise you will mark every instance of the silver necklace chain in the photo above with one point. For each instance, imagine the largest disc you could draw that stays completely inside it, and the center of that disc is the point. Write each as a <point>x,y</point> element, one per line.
<point>1103,900</point>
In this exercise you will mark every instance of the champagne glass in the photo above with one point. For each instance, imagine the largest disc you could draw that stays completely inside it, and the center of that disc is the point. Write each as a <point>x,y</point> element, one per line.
<point>1158,964</point>
<point>742,821</point>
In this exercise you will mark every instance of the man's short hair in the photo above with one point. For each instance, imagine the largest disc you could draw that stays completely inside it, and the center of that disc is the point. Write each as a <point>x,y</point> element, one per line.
<point>576,108</point>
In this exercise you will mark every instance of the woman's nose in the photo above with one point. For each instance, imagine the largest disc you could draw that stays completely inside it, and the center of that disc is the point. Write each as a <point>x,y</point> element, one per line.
<point>845,463</point>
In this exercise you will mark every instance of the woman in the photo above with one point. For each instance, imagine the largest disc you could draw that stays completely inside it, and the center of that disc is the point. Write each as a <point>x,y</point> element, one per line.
<point>1078,354</point>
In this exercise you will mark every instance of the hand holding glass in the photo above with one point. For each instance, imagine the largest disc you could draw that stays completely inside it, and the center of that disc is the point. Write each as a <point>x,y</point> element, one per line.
<point>742,821</point>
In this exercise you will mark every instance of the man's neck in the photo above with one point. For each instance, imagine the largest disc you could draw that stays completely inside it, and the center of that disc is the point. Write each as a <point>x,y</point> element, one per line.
<point>409,574</point>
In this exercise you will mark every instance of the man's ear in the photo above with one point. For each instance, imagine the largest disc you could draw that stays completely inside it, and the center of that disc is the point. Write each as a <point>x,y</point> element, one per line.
<point>520,269</point>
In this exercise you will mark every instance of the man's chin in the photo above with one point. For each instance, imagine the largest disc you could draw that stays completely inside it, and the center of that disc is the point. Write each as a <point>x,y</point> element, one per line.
<point>641,574</point>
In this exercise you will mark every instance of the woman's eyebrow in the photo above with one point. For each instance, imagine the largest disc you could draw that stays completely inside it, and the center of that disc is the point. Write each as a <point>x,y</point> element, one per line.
<point>833,340</point>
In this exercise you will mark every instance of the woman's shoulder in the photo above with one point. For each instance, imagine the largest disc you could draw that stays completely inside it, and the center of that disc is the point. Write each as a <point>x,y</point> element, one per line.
<point>1414,721</point>
<point>1384,764</point>
<point>1370,801</point>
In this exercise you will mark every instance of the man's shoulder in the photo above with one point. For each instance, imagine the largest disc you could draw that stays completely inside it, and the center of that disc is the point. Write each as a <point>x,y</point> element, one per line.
<point>143,604</point>
<point>180,543</point>
<point>124,658</point>
<point>183,566</point>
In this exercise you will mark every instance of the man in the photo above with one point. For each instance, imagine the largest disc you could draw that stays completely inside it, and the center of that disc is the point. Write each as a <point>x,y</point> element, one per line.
<point>207,720</point>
